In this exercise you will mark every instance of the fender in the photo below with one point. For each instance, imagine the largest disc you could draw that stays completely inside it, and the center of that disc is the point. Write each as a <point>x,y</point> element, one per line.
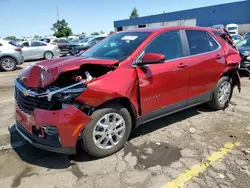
<point>120,83</point>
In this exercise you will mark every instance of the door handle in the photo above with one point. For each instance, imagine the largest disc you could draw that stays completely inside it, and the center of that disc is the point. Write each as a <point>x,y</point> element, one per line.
<point>218,56</point>
<point>182,65</point>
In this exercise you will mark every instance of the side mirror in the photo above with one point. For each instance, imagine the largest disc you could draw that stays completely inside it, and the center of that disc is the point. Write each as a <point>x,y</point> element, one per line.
<point>151,58</point>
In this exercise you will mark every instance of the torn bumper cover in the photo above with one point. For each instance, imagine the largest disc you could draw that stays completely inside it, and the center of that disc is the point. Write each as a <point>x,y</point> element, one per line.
<point>52,130</point>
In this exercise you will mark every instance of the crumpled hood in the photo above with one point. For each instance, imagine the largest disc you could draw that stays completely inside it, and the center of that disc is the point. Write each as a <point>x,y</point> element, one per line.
<point>46,72</point>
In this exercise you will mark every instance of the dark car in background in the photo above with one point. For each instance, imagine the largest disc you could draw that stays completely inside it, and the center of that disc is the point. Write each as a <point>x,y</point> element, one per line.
<point>62,43</point>
<point>244,49</point>
<point>76,50</point>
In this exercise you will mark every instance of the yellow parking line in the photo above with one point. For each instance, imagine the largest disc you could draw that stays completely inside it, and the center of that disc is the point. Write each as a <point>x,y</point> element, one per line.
<point>201,167</point>
<point>247,150</point>
<point>6,100</point>
<point>248,132</point>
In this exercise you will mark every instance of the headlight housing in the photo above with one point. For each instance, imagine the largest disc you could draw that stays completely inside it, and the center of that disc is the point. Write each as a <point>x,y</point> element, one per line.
<point>68,95</point>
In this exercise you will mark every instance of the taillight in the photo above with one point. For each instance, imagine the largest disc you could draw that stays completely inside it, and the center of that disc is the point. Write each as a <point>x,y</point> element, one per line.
<point>18,49</point>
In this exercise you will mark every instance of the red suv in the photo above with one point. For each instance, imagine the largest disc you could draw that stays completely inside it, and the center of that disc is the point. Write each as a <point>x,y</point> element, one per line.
<point>127,79</point>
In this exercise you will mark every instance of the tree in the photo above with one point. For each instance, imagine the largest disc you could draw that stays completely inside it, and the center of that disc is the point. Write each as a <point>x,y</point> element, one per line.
<point>36,37</point>
<point>11,38</point>
<point>61,29</point>
<point>95,33</point>
<point>134,13</point>
<point>111,32</point>
<point>102,32</point>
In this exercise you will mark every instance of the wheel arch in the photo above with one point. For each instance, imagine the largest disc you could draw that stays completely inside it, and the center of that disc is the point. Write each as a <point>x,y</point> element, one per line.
<point>9,57</point>
<point>125,102</point>
<point>232,73</point>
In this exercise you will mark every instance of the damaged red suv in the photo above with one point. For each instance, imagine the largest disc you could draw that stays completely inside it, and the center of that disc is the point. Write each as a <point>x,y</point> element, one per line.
<point>129,78</point>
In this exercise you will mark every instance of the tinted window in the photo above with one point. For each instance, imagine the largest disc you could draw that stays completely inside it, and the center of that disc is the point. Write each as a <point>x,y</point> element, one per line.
<point>25,44</point>
<point>0,44</point>
<point>118,46</point>
<point>168,44</point>
<point>36,44</point>
<point>200,42</point>
<point>62,41</point>
<point>13,43</point>
<point>42,44</point>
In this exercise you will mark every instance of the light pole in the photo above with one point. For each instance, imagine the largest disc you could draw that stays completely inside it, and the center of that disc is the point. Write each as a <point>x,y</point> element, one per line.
<point>57,12</point>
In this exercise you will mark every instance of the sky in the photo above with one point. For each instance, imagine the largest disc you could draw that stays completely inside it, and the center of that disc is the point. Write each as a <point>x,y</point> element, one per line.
<point>36,17</point>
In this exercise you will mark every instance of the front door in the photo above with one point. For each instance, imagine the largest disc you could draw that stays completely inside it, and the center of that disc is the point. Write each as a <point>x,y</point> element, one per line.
<point>164,87</point>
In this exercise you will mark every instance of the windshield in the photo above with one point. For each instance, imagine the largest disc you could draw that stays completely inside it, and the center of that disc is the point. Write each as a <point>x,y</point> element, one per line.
<point>118,46</point>
<point>232,28</point>
<point>243,43</point>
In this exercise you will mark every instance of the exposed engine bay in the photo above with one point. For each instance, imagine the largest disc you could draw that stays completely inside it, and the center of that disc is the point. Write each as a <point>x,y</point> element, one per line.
<point>67,86</point>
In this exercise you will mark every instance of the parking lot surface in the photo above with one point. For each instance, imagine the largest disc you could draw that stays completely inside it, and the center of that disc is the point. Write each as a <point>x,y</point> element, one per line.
<point>194,148</point>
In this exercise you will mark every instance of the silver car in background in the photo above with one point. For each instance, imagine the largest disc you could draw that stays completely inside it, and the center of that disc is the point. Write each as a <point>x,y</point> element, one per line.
<point>10,55</point>
<point>39,50</point>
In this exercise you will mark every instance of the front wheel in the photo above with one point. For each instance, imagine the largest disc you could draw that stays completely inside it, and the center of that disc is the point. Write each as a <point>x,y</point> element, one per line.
<point>108,131</point>
<point>222,94</point>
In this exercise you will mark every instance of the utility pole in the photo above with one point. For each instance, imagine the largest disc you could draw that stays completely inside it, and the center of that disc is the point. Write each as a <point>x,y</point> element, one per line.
<point>57,12</point>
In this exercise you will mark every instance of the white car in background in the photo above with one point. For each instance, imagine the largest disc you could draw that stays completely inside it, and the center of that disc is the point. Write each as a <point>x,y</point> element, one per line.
<point>236,37</point>
<point>39,50</point>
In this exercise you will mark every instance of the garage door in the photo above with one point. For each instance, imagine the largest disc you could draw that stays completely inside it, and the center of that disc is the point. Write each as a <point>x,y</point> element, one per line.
<point>173,23</point>
<point>158,24</point>
<point>189,22</point>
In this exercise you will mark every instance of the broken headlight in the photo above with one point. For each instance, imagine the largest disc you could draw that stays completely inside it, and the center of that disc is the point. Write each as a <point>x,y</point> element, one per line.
<point>69,94</point>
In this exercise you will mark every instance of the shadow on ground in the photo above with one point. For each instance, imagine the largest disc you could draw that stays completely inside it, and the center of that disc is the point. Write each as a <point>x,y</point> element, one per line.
<point>50,160</point>
<point>168,120</point>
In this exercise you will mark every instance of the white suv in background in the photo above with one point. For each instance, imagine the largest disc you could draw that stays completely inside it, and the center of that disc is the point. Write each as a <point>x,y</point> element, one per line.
<point>10,55</point>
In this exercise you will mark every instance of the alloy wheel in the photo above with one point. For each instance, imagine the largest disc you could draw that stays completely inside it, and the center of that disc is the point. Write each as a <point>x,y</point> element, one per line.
<point>8,64</point>
<point>48,55</point>
<point>109,131</point>
<point>224,92</point>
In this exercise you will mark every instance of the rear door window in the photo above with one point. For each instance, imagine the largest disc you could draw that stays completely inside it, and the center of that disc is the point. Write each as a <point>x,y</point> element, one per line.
<point>35,44</point>
<point>200,42</point>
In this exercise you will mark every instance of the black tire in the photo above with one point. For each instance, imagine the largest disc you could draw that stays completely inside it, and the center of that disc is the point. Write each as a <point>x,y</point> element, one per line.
<point>3,65</point>
<point>215,103</point>
<point>48,55</point>
<point>87,141</point>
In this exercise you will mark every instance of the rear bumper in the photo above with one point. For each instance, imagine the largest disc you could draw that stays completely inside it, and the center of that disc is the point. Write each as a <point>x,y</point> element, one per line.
<point>19,59</point>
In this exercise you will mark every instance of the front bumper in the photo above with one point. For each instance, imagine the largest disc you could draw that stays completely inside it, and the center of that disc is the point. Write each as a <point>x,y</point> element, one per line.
<point>68,121</point>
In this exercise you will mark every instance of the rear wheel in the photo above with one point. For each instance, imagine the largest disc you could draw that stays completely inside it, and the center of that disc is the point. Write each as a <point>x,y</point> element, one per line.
<point>108,131</point>
<point>222,94</point>
<point>8,64</point>
<point>48,55</point>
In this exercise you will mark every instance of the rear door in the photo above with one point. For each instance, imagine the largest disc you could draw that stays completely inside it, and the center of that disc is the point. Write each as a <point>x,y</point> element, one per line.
<point>206,63</point>
<point>164,87</point>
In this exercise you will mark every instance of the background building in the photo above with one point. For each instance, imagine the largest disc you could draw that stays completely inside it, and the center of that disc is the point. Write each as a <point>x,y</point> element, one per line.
<point>237,12</point>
